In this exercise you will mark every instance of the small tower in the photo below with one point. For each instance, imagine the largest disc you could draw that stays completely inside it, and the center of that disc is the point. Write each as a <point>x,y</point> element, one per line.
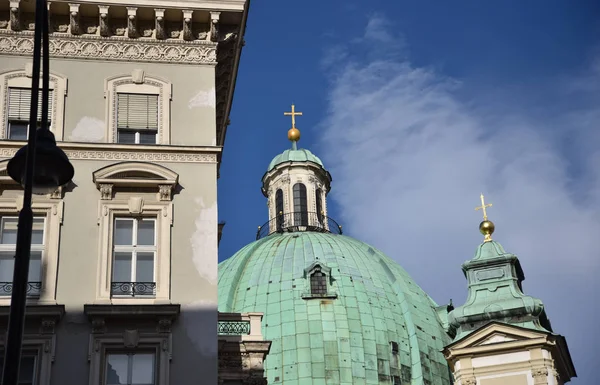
<point>296,185</point>
<point>503,336</point>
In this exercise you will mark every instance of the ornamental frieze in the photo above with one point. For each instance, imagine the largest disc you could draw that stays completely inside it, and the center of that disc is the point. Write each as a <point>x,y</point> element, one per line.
<point>97,47</point>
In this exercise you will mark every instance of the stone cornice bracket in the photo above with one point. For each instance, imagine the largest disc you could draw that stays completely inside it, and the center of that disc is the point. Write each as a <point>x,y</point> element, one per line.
<point>214,25</point>
<point>165,192</point>
<point>106,191</point>
<point>74,19</point>
<point>103,22</point>
<point>159,14</point>
<point>15,15</point>
<point>187,25</point>
<point>132,22</point>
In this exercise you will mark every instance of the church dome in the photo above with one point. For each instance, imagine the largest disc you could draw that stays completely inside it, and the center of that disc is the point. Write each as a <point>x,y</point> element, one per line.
<point>336,310</point>
<point>295,155</point>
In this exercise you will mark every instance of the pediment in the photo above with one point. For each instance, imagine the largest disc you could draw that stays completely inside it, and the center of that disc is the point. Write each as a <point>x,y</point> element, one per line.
<point>132,172</point>
<point>136,175</point>
<point>496,333</point>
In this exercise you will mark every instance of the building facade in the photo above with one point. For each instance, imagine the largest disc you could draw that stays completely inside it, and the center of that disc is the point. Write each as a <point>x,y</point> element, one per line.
<point>123,277</point>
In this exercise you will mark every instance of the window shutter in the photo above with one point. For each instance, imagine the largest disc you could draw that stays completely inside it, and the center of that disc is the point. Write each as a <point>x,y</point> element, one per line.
<point>19,100</point>
<point>137,111</point>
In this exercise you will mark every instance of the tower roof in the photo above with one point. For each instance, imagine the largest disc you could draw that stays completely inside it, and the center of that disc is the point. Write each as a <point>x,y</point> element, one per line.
<point>373,314</point>
<point>295,155</point>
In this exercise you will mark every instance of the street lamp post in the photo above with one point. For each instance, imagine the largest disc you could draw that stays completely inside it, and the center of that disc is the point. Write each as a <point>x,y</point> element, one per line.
<point>40,167</point>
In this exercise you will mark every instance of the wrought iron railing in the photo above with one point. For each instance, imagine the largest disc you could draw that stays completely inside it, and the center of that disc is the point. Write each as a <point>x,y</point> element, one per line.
<point>33,289</point>
<point>133,289</point>
<point>233,328</point>
<point>299,221</point>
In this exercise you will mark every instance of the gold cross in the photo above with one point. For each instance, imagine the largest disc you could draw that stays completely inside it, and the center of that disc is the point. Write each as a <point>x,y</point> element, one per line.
<point>483,207</point>
<point>293,114</point>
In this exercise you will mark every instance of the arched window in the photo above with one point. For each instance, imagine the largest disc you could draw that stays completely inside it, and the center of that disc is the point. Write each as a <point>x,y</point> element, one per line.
<point>319,204</point>
<point>300,205</point>
<point>318,282</point>
<point>279,209</point>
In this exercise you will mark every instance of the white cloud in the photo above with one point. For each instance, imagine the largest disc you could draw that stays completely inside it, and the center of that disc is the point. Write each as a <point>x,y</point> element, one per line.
<point>409,158</point>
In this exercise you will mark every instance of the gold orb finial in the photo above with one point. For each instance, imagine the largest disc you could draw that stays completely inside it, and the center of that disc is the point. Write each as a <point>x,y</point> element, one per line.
<point>294,134</point>
<point>486,227</point>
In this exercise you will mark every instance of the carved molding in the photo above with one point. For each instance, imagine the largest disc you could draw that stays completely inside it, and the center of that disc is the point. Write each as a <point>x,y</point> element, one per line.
<point>165,192</point>
<point>15,15</point>
<point>97,47</point>
<point>214,25</point>
<point>106,191</point>
<point>159,26</point>
<point>131,22</point>
<point>187,25</point>
<point>74,21</point>
<point>164,325</point>
<point>146,156</point>
<point>104,29</point>
<point>540,376</point>
<point>98,326</point>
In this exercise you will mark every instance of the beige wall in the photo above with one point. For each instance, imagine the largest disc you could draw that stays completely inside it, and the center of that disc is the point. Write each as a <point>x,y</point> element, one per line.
<point>511,379</point>
<point>192,105</point>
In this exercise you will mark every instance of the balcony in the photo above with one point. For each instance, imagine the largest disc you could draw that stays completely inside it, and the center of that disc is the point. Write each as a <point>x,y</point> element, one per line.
<point>133,289</point>
<point>299,221</point>
<point>240,326</point>
<point>34,289</point>
<point>242,349</point>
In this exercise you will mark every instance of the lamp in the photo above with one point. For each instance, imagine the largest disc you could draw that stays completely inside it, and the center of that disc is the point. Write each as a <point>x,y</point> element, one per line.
<point>40,168</point>
<point>52,167</point>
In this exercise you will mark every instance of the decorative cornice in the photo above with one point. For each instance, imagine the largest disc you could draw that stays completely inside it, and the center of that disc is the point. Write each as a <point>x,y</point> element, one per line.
<point>113,49</point>
<point>104,151</point>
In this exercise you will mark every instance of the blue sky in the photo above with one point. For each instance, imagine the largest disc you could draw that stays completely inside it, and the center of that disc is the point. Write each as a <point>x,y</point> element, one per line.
<point>424,105</point>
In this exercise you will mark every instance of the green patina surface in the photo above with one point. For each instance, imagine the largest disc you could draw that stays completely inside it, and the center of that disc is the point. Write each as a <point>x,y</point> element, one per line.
<point>342,340</point>
<point>495,294</point>
<point>292,155</point>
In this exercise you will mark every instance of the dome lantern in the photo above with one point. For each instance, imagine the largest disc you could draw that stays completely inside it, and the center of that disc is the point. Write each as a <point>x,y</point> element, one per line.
<point>296,185</point>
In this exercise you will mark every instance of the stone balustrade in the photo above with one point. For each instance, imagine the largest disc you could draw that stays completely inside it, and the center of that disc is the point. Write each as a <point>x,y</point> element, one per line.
<point>241,326</point>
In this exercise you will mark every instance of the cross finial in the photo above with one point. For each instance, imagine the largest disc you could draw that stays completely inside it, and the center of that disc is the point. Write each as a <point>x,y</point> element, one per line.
<point>293,114</point>
<point>483,207</point>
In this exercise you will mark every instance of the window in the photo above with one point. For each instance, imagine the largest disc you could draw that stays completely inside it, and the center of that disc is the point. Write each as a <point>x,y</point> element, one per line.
<point>394,346</point>
<point>131,357</point>
<point>138,109</point>
<point>135,232</point>
<point>279,209</point>
<point>137,118</point>
<point>8,241</point>
<point>300,205</point>
<point>15,99</point>
<point>133,259</point>
<point>318,279</point>
<point>397,380</point>
<point>130,368</point>
<point>19,102</point>
<point>319,204</point>
<point>318,282</point>
<point>27,370</point>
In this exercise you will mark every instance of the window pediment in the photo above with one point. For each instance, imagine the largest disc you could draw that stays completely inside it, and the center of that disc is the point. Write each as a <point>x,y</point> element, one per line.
<point>136,174</point>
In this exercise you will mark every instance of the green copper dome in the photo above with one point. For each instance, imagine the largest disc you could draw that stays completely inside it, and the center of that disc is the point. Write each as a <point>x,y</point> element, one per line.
<point>367,322</point>
<point>295,155</point>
